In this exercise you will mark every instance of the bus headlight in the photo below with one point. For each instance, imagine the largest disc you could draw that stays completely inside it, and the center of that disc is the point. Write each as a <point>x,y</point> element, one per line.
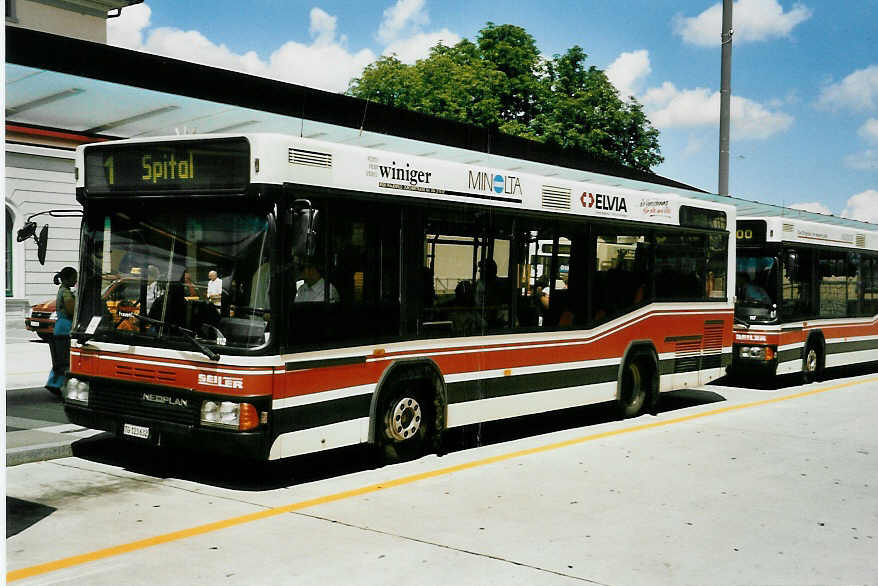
<point>756,352</point>
<point>229,415</point>
<point>76,390</point>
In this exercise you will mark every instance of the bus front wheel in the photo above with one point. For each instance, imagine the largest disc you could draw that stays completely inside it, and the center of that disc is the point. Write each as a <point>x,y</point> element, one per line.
<point>404,425</point>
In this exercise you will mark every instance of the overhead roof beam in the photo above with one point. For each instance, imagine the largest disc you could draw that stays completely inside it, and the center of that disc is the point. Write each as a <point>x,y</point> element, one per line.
<point>233,126</point>
<point>68,93</point>
<point>131,119</point>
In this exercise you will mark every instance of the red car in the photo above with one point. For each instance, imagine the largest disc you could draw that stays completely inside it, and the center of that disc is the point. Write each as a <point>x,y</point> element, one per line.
<point>42,319</point>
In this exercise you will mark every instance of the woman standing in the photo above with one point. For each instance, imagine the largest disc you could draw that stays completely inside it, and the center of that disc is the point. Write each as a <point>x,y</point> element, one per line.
<point>59,345</point>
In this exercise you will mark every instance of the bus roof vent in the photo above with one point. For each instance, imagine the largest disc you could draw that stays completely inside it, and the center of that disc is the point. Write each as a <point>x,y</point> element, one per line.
<point>788,228</point>
<point>310,158</point>
<point>861,240</point>
<point>556,198</point>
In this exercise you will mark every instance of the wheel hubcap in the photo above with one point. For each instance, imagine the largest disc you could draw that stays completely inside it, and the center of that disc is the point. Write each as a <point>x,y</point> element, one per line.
<point>635,393</point>
<point>404,420</point>
<point>811,361</point>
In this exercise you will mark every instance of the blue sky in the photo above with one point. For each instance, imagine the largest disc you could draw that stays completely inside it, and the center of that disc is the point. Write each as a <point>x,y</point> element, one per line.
<point>804,74</point>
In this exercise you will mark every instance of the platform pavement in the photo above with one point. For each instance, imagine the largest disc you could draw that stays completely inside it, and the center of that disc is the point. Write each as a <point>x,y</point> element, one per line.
<point>32,439</point>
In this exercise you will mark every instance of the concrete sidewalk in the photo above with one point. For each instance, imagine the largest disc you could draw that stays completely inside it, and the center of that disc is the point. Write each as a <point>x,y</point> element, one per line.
<point>28,363</point>
<point>31,435</point>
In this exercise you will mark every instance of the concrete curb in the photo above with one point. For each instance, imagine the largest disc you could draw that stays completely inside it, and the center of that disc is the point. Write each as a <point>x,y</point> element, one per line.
<point>38,453</point>
<point>35,445</point>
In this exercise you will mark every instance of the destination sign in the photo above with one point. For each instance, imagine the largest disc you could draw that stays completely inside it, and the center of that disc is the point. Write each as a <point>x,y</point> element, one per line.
<point>750,231</point>
<point>186,166</point>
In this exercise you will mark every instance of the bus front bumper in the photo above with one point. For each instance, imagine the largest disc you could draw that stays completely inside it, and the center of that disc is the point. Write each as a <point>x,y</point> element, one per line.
<point>242,444</point>
<point>749,360</point>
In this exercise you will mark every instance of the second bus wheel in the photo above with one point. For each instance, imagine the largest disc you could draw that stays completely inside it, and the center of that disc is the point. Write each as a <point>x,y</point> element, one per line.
<point>812,362</point>
<point>405,418</point>
<point>636,386</point>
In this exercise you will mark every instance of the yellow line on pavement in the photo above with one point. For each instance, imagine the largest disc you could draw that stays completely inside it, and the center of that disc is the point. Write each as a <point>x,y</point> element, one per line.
<point>273,512</point>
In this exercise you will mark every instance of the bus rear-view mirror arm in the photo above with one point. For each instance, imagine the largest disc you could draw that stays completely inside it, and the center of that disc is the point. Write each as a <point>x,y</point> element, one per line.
<point>29,230</point>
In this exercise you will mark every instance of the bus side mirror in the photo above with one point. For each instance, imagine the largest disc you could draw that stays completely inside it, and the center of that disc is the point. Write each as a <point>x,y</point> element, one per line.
<point>303,227</point>
<point>42,244</point>
<point>29,230</point>
<point>791,264</point>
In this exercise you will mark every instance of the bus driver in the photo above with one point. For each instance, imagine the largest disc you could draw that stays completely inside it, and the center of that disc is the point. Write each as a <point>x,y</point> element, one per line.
<point>313,285</point>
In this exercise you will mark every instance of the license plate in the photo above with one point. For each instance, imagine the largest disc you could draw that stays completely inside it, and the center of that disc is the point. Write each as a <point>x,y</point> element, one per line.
<point>35,324</point>
<point>140,431</point>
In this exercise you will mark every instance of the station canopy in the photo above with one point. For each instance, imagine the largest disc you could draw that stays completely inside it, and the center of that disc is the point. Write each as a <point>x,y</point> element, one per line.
<point>45,91</point>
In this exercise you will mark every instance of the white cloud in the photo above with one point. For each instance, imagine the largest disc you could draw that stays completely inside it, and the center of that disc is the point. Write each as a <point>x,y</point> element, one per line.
<point>195,47</point>
<point>322,28</point>
<point>329,66</point>
<point>864,161</point>
<point>668,107</point>
<point>416,47</point>
<point>293,62</point>
<point>869,130</point>
<point>127,30</point>
<point>753,20</point>
<point>863,206</point>
<point>404,17</point>
<point>812,206</point>
<point>628,72</point>
<point>325,63</point>
<point>858,91</point>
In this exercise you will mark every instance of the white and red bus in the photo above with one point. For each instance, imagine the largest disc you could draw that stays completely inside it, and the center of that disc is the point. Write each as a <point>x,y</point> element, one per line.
<point>279,296</point>
<point>807,296</point>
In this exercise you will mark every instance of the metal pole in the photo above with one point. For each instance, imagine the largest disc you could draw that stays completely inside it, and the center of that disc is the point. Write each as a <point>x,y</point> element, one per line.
<point>725,98</point>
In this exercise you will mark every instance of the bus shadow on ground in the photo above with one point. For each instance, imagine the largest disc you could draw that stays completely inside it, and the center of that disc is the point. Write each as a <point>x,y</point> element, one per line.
<point>21,514</point>
<point>786,381</point>
<point>238,474</point>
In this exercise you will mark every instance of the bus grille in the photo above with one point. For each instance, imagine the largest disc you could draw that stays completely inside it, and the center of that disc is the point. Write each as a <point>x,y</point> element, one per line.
<point>127,400</point>
<point>145,373</point>
<point>687,354</point>
<point>712,344</point>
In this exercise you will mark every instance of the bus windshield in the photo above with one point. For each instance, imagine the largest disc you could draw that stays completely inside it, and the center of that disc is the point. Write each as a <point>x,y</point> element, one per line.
<point>757,287</point>
<point>176,279</point>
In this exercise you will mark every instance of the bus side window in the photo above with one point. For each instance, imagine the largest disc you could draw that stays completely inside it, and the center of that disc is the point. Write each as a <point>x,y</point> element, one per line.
<point>364,267</point>
<point>832,295</point>
<point>681,266</point>
<point>622,275</point>
<point>449,272</point>
<point>869,283</point>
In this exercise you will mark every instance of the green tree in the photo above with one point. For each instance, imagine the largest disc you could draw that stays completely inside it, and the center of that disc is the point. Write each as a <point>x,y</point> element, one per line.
<point>511,51</point>
<point>501,82</point>
<point>453,83</point>
<point>581,109</point>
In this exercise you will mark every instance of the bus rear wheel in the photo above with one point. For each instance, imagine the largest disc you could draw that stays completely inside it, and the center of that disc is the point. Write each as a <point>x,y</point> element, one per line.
<point>812,363</point>
<point>634,390</point>
<point>405,416</point>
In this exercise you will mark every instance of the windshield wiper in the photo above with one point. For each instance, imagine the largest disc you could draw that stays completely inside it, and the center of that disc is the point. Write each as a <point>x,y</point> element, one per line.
<point>189,335</point>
